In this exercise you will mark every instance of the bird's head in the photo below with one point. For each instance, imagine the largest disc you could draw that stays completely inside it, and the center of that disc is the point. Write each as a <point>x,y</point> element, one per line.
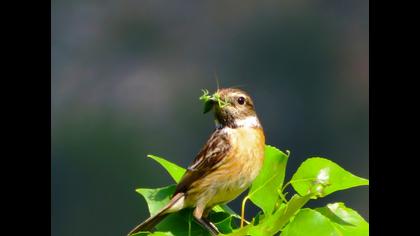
<point>232,108</point>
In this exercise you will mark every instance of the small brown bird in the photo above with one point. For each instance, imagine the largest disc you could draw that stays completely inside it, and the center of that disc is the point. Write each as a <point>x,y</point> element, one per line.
<point>226,165</point>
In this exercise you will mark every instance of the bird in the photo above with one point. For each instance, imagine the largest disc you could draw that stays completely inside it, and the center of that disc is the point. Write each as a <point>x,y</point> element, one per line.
<point>225,166</point>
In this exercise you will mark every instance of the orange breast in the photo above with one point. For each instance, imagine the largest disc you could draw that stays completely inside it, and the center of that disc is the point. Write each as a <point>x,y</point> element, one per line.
<point>240,167</point>
<point>236,171</point>
<point>247,156</point>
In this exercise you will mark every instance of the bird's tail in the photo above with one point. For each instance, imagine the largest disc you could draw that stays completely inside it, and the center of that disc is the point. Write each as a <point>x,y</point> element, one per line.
<point>148,224</point>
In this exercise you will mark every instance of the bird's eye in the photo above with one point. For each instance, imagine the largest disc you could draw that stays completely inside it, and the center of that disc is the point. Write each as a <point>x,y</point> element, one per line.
<point>241,100</point>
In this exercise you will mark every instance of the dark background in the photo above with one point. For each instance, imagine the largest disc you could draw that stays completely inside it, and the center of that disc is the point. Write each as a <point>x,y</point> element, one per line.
<point>126,77</point>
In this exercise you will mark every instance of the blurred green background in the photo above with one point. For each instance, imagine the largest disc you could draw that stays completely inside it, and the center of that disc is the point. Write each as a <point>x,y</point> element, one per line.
<point>126,77</point>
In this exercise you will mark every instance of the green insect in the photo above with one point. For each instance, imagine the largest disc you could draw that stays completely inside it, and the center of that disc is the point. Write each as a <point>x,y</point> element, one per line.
<point>209,99</point>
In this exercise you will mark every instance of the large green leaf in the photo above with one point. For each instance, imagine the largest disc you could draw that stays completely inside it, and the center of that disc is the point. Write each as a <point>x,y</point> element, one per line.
<point>309,222</point>
<point>179,223</point>
<point>263,190</point>
<point>321,176</point>
<point>182,223</point>
<point>272,224</point>
<point>346,220</point>
<point>156,198</point>
<point>334,219</point>
<point>174,170</point>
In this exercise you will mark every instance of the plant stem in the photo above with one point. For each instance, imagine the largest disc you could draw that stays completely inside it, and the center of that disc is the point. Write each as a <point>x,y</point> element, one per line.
<point>243,210</point>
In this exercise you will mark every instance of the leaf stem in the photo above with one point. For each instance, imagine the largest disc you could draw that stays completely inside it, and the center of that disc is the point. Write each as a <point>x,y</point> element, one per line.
<point>282,196</point>
<point>243,210</point>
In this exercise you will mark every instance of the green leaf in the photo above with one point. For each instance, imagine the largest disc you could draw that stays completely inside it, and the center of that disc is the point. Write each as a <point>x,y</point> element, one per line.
<point>334,219</point>
<point>321,176</point>
<point>179,223</point>
<point>263,190</point>
<point>346,220</point>
<point>223,221</point>
<point>309,222</point>
<point>272,224</point>
<point>156,198</point>
<point>174,170</point>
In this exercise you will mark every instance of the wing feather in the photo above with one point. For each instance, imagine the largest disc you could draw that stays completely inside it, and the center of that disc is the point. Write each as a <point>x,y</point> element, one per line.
<point>209,157</point>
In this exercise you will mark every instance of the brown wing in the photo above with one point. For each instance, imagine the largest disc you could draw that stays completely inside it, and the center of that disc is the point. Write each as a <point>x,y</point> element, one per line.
<point>207,159</point>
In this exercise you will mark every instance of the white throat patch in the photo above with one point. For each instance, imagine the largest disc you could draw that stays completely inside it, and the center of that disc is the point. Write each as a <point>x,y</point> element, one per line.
<point>250,121</point>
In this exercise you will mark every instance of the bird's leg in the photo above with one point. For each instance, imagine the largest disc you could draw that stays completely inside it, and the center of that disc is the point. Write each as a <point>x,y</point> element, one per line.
<point>205,217</point>
<point>198,215</point>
